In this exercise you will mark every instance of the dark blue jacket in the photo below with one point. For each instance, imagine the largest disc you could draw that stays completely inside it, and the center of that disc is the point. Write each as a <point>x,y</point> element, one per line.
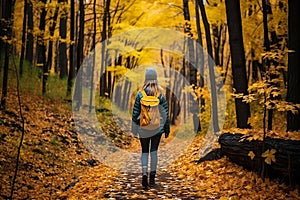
<point>164,113</point>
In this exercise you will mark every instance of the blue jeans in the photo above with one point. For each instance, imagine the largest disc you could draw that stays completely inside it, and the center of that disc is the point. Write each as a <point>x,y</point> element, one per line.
<point>149,144</point>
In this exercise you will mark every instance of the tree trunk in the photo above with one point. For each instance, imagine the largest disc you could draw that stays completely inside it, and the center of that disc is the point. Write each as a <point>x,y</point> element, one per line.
<point>103,48</point>
<point>2,29</point>
<point>81,35</point>
<point>200,57</point>
<point>217,33</point>
<point>50,46</point>
<point>71,50</point>
<point>7,13</point>
<point>293,89</point>
<point>94,57</point>
<point>29,40</point>
<point>63,61</point>
<point>213,88</point>
<point>124,96</point>
<point>23,38</point>
<point>266,62</point>
<point>234,21</point>
<point>41,47</point>
<point>192,69</point>
<point>78,86</point>
<point>223,41</point>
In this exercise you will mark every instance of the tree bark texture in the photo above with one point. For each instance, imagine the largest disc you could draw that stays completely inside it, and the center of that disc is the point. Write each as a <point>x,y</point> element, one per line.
<point>199,57</point>
<point>103,47</point>
<point>78,83</point>
<point>23,38</point>
<point>29,40</point>
<point>63,61</point>
<point>211,69</point>
<point>293,89</point>
<point>240,82</point>
<point>71,50</point>
<point>7,15</point>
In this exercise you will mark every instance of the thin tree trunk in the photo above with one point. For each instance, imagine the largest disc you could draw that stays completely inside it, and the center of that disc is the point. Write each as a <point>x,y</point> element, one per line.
<point>50,46</point>
<point>23,38</point>
<point>103,51</point>
<point>238,61</point>
<point>200,56</point>
<point>63,61</point>
<point>78,86</point>
<point>81,35</point>
<point>223,41</point>
<point>29,40</point>
<point>71,50</point>
<point>199,62</point>
<point>5,76</point>
<point>210,69</point>
<point>191,69</point>
<point>293,89</point>
<point>266,62</point>
<point>9,9</point>
<point>41,47</point>
<point>2,30</point>
<point>217,33</point>
<point>94,57</point>
<point>56,57</point>
<point>124,95</point>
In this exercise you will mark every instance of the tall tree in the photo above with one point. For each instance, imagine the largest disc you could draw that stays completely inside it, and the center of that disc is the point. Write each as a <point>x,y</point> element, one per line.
<point>104,36</point>
<point>29,40</point>
<point>41,46</point>
<point>53,20</point>
<point>234,21</point>
<point>293,89</point>
<point>200,55</point>
<point>266,9</point>
<point>2,27</point>
<point>23,37</point>
<point>8,17</point>
<point>212,80</point>
<point>94,56</point>
<point>78,86</point>
<point>81,35</point>
<point>63,61</point>
<point>192,69</point>
<point>71,49</point>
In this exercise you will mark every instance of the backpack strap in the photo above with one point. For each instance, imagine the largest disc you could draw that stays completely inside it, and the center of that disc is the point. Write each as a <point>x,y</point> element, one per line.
<point>144,93</point>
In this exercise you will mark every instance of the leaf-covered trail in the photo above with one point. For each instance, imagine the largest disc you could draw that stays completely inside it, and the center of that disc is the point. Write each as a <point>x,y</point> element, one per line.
<point>55,165</point>
<point>168,186</point>
<point>184,179</point>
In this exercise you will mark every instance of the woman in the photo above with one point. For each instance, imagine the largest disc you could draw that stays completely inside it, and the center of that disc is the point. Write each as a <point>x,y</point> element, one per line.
<point>150,139</point>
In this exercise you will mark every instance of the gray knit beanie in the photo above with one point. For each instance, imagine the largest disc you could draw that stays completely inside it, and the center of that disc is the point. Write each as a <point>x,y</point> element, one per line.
<point>150,74</point>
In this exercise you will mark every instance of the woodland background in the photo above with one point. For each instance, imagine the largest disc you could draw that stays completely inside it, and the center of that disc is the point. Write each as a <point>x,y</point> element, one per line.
<point>255,47</point>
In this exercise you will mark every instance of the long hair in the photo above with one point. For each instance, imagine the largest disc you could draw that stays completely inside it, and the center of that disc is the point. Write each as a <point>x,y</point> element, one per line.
<point>153,87</point>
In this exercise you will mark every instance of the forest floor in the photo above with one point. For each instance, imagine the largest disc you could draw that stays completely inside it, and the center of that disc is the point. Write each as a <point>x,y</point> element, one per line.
<point>54,164</point>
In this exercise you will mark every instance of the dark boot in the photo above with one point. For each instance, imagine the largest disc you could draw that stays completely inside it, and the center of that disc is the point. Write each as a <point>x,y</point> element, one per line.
<point>145,181</point>
<point>152,179</point>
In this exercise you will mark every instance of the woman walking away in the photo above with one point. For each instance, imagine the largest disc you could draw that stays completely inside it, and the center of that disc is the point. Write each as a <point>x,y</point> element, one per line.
<point>150,119</point>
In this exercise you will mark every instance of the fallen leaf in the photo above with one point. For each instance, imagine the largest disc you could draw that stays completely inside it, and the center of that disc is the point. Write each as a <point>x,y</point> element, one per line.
<point>269,156</point>
<point>251,155</point>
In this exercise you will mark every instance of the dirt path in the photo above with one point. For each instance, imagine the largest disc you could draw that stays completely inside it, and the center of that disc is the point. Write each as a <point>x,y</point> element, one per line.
<point>168,186</point>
